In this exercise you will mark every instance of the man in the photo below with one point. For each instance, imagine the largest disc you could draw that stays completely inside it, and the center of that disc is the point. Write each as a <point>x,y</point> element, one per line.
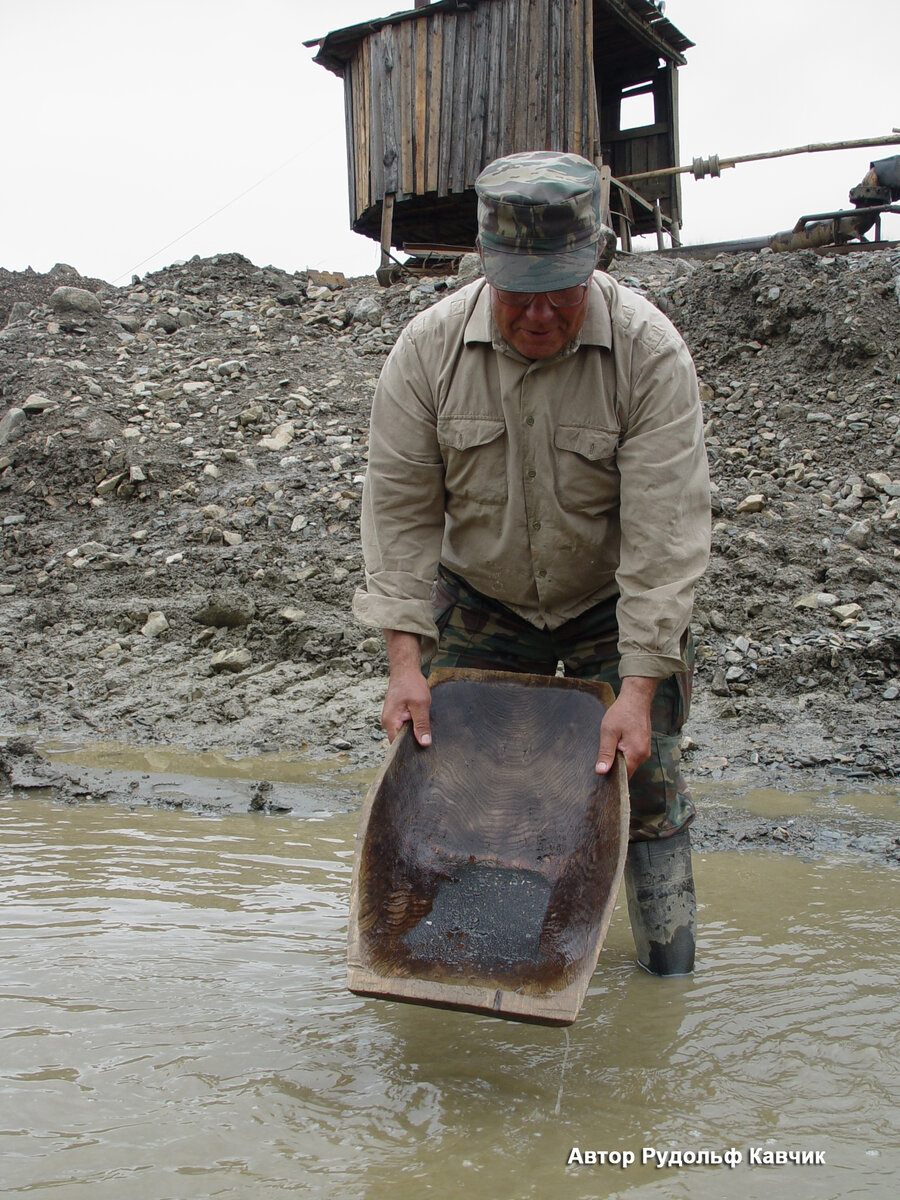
<point>538,492</point>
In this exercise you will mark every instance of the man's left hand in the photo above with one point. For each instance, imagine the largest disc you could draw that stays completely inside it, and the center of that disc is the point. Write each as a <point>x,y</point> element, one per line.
<point>626,726</point>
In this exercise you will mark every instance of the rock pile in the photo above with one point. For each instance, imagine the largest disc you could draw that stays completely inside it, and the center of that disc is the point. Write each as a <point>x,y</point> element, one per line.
<point>800,360</point>
<point>181,463</point>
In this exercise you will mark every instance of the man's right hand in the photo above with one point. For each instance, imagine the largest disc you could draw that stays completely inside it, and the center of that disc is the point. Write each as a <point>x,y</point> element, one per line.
<point>408,699</point>
<point>408,696</point>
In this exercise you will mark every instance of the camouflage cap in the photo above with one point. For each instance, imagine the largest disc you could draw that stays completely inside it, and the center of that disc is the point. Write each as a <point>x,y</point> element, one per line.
<point>539,220</point>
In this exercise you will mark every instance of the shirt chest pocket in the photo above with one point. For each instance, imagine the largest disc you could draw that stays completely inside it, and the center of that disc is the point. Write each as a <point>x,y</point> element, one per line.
<point>587,478</point>
<point>474,453</point>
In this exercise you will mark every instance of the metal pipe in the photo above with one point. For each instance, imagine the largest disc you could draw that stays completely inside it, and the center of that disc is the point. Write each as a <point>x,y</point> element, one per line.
<point>714,165</point>
<point>827,229</point>
<point>810,233</point>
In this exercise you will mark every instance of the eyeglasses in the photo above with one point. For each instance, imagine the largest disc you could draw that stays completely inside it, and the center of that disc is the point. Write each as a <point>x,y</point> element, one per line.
<point>562,298</point>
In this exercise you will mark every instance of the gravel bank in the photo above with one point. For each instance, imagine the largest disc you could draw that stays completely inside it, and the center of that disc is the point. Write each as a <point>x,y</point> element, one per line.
<point>181,463</point>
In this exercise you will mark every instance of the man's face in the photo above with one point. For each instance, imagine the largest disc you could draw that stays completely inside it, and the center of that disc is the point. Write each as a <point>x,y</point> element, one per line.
<point>538,330</point>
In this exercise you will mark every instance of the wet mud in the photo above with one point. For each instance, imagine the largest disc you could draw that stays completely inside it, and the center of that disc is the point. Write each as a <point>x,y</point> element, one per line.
<point>862,825</point>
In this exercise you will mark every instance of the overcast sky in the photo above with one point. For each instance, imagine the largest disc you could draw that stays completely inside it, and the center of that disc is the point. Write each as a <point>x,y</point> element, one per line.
<point>128,125</point>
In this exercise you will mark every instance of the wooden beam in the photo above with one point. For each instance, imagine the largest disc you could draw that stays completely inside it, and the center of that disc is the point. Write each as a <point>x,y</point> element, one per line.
<point>435,87</point>
<point>421,104</point>
<point>391,151</point>
<point>630,194</point>
<point>387,221</point>
<point>644,31</point>
<point>446,125</point>
<point>405,43</point>
<point>657,213</point>
<point>605,178</point>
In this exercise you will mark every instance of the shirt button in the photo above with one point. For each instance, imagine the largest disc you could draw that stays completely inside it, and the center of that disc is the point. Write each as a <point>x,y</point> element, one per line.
<point>530,474</point>
<point>542,572</point>
<point>535,524</point>
<point>529,420</point>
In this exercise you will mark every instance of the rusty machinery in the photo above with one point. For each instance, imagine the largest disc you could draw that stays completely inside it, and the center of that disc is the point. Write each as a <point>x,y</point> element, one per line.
<point>871,198</point>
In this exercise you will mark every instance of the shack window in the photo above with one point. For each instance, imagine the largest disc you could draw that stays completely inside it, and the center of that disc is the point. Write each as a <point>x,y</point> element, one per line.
<point>637,107</point>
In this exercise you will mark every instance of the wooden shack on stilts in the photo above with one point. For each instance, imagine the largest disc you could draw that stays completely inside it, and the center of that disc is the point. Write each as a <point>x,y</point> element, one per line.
<point>435,93</point>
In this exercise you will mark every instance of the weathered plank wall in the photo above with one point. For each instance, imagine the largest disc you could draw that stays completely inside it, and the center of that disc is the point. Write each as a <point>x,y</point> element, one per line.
<point>430,101</point>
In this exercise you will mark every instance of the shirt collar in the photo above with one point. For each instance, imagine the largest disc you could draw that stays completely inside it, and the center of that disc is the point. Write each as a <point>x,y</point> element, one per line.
<point>597,328</point>
<point>596,331</point>
<point>480,325</point>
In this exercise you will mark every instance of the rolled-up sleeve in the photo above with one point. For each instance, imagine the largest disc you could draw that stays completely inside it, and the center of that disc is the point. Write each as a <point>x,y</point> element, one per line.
<point>665,509</point>
<point>403,500</point>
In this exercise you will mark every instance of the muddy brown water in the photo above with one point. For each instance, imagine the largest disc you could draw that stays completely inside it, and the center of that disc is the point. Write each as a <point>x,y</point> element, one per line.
<point>175,1025</point>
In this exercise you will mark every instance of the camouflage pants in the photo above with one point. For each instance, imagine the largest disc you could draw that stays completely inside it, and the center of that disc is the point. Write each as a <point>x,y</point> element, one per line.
<point>480,633</point>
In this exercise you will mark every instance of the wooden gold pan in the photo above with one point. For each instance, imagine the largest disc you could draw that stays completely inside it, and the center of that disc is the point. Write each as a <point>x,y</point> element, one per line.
<point>487,865</point>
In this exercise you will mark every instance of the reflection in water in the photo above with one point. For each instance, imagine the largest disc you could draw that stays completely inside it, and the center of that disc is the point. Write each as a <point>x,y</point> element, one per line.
<point>176,1025</point>
<point>880,802</point>
<point>281,767</point>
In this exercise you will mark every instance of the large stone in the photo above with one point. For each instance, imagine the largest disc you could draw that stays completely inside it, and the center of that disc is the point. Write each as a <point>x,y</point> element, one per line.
<point>88,550</point>
<point>155,624</point>
<point>164,321</point>
<point>752,504</point>
<point>36,403</point>
<point>719,686</point>
<point>847,612</point>
<point>279,439</point>
<point>816,600</point>
<point>368,311</point>
<point>11,424</point>
<point>469,268</point>
<point>107,486</point>
<point>859,534</point>
<point>879,480</point>
<point>73,299</point>
<point>226,610</point>
<point>289,296</point>
<point>18,312</point>
<point>292,615</point>
<point>231,660</point>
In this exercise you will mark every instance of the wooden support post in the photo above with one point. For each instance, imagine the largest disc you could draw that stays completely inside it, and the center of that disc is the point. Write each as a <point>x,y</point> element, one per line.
<point>625,221</point>
<point>658,218</point>
<point>387,220</point>
<point>605,177</point>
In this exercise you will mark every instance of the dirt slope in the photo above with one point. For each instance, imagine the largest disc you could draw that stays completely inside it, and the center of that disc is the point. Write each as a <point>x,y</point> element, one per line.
<point>181,463</point>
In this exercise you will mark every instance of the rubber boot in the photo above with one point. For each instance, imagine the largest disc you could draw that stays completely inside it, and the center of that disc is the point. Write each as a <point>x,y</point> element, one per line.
<point>662,906</point>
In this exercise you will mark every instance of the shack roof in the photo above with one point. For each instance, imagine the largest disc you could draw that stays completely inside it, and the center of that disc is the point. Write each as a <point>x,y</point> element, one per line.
<point>641,18</point>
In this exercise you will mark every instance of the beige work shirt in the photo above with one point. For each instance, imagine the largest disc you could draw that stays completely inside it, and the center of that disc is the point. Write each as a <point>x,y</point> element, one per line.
<point>548,485</point>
